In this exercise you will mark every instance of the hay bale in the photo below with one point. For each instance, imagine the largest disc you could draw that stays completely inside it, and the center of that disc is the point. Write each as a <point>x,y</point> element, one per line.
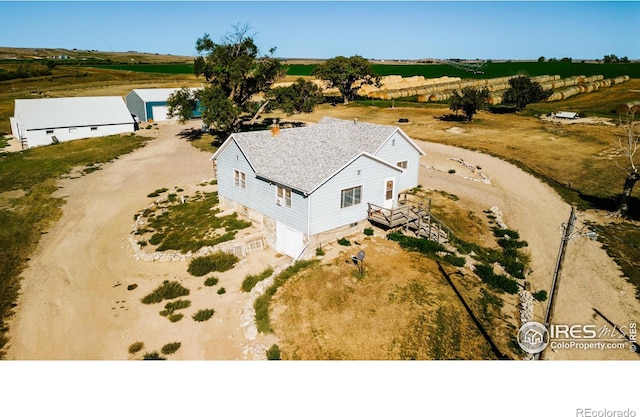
<point>630,107</point>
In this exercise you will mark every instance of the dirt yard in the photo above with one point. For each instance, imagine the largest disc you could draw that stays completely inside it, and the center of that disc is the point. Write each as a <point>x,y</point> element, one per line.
<point>75,304</point>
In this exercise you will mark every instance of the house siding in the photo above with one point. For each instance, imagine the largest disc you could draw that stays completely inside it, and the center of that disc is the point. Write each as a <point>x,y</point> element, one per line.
<point>326,213</point>
<point>259,194</point>
<point>40,137</point>
<point>399,151</point>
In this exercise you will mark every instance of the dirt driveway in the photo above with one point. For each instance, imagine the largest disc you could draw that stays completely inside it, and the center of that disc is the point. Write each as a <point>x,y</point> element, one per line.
<point>74,302</point>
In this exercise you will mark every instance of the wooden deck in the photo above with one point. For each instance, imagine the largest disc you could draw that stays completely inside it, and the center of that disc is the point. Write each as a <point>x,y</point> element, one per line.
<point>412,216</point>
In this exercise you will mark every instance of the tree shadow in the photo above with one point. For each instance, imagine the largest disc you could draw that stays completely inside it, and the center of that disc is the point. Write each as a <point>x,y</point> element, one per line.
<point>191,134</point>
<point>502,109</point>
<point>610,203</point>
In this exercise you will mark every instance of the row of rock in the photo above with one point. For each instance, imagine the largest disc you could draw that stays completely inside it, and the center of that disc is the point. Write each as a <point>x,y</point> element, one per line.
<point>526,306</point>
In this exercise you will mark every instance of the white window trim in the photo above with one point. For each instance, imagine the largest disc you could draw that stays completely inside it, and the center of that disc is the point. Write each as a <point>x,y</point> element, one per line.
<point>239,179</point>
<point>361,186</point>
<point>405,163</point>
<point>282,200</point>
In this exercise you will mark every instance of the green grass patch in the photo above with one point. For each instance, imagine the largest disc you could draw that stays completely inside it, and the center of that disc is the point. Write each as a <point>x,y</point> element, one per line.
<point>622,242</point>
<point>273,353</point>
<point>250,281</point>
<point>157,192</point>
<point>344,242</point>
<point>26,217</point>
<point>176,317</point>
<point>261,305</point>
<point>498,282</point>
<point>192,225</point>
<point>168,290</point>
<point>368,231</point>
<point>203,315</point>
<point>217,261</point>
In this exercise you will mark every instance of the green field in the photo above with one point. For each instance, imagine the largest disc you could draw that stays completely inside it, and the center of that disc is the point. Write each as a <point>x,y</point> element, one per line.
<point>490,70</point>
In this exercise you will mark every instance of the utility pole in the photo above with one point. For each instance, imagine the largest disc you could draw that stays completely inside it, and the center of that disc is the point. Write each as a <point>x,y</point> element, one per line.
<point>566,236</point>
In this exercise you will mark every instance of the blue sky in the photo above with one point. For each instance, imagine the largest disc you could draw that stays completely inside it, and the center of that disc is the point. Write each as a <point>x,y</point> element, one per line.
<point>304,29</point>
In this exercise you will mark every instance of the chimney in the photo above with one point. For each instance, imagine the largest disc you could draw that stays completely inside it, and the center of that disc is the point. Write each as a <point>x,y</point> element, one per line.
<point>275,129</point>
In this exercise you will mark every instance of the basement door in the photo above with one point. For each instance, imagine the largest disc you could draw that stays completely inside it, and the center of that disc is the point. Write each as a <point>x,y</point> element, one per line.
<point>389,188</point>
<point>289,241</point>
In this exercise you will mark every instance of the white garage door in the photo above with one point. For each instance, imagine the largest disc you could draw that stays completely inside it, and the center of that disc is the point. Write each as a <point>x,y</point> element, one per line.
<point>289,241</point>
<point>159,113</point>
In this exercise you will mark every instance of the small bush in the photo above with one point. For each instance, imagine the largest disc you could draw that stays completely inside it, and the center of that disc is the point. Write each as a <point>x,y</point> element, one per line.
<point>221,290</point>
<point>171,307</point>
<point>168,290</point>
<point>203,315</point>
<point>344,242</point>
<point>211,281</point>
<point>218,261</point>
<point>498,282</point>
<point>273,354</point>
<point>156,238</point>
<point>170,348</point>
<point>452,171</point>
<point>136,347</point>
<point>368,231</point>
<point>250,281</point>
<point>540,295</point>
<point>175,317</point>
<point>319,251</point>
<point>153,356</point>
<point>454,260</point>
<point>157,192</point>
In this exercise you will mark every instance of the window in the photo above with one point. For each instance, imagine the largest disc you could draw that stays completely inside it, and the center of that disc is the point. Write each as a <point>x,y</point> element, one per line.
<point>239,179</point>
<point>388,195</point>
<point>402,164</point>
<point>283,196</point>
<point>350,196</point>
<point>49,132</point>
<point>94,128</point>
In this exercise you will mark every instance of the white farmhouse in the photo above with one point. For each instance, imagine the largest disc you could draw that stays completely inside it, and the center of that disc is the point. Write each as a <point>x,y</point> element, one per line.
<point>309,185</point>
<point>43,121</point>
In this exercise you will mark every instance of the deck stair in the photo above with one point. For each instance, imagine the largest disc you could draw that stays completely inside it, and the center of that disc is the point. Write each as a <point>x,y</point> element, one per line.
<point>411,215</point>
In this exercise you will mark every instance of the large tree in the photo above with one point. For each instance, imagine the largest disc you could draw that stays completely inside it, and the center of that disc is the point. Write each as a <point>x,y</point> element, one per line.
<point>346,74</point>
<point>235,72</point>
<point>523,91</point>
<point>628,143</point>
<point>300,97</point>
<point>470,101</point>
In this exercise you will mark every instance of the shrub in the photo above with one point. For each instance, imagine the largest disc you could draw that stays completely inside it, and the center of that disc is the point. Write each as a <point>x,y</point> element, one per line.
<point>136,347</point>
<point>203,315</point>
<point>171,307</point>
<point>211,281</point>
<point>319,251</point>
<point>344,242</point>
<point>498,282</point>
<point>454,260</point>
<point>452,171</point>
<point>218,261</point>
<point>221,290</point>
<point>170,348</point>
<point>175,317</point>
<point>540,295</point>
<point>168,290</point>
<point>153,356</point>
<point>156,238</point>
<point>273,354</point>
<point>250,281</point>
<point>157,192</point>
<point>368,231</point>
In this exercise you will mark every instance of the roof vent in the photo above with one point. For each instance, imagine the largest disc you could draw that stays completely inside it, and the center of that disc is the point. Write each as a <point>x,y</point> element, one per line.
<point>275,129</point>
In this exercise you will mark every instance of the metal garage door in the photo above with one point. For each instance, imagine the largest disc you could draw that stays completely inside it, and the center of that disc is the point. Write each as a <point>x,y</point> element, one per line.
<point>159,113</point>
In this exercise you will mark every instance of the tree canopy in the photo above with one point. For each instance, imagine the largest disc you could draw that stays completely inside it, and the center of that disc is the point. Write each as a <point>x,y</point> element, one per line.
<point>524,91</point>
<point>346,74</point>
<point>300,97</point>
<point>470,101</point>
<point>235,72</point>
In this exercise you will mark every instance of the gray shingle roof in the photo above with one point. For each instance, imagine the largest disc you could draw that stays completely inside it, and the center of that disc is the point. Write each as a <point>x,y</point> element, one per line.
<point>303,158</point>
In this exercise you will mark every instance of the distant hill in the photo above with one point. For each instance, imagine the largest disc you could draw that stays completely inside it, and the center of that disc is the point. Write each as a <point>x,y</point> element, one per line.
<point>59,54</point>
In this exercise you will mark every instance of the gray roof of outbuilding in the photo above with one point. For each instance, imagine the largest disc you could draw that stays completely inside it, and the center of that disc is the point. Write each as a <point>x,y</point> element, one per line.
<point>303,158</point>
<point>49,113</point>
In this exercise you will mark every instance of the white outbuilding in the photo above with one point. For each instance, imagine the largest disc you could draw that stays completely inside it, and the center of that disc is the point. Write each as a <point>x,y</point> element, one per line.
<point>43,121</point>
<point>151,104</point>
